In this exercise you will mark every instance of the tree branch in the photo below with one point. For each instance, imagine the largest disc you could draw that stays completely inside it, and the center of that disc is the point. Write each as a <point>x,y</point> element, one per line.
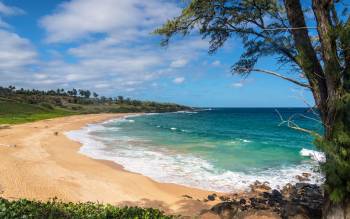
<point>291,124</point>
<point>288,28</point>
<point>281,76</point>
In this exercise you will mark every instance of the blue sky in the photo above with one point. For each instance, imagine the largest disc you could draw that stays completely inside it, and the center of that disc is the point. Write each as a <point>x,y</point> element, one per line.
<point>106,46</point>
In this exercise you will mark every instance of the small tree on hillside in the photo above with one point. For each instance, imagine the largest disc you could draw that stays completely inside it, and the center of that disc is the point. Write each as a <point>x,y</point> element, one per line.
<point>95,94</point>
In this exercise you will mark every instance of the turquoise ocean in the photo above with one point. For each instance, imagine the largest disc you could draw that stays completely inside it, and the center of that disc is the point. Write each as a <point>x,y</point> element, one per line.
<point>219,149</point>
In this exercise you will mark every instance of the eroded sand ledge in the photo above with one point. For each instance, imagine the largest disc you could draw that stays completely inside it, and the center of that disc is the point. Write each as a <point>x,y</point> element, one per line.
<point>40,162</point>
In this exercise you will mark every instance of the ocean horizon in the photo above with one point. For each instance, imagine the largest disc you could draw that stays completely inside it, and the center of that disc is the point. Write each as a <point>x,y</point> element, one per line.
<point>219,149</point>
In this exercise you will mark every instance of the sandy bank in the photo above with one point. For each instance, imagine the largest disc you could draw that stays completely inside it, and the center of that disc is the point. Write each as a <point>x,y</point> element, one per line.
<point>37,161</point>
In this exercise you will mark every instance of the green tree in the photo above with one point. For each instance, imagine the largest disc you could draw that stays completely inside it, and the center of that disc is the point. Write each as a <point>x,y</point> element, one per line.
<point>312,38</point>
<point>74,92</point>
<point>95,95</point>
<point>120,99</point>
<point>87,94</point>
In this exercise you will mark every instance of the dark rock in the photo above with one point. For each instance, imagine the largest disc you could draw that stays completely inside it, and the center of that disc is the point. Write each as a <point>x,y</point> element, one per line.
<point>242,201</point>
<point>291,210</point>
<point>224,198</point>
<point>276,197</point>
<point>211,197</point>
<point>266,194</point>
<point>306,199</point>
<point>302,201</point>
<point>253,202</point>
<point>276,194</point>
<point>226,209</point>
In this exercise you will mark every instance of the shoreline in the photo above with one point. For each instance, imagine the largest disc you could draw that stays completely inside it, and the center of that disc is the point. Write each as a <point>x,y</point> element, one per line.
<point>97,148</point>
<point>42,163</point>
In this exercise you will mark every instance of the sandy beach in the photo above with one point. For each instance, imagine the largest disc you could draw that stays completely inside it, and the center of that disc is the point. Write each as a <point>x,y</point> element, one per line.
<point>37,161</point>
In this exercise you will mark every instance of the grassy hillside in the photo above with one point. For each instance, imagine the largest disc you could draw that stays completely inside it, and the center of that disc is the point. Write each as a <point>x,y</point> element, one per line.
<point>19,106</point>
<point>13,113</point>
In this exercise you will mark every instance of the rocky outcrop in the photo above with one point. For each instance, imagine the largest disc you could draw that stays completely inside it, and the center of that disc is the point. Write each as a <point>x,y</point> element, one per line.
<point>302,201</point>
<point>304,198</point>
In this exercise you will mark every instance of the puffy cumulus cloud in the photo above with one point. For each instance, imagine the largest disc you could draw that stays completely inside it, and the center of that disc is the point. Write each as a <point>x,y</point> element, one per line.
<point>123,56</point>
<point>179,80</point>
<point>117,51</point>
<point>79,18</point>
<point>15,52</point>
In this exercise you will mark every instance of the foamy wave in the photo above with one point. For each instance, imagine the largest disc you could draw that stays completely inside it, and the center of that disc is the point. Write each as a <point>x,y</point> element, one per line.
<point>244,140</point>
<point>189,112</point>
<point>123,119</point>
<point>239,141</point>
<point>173,128</point>
<point>314,155</point>
<point>184,169</point>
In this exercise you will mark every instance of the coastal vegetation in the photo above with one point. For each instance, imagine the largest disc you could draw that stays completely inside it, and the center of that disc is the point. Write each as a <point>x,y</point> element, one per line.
<point>22,105</point>
<point>313,41</point>
<point>56,209</point>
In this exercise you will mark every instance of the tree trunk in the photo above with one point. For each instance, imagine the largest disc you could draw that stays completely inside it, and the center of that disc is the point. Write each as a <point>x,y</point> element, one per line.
<point>336,211</point>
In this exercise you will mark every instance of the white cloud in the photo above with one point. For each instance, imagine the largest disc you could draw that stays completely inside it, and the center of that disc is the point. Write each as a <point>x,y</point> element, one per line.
<point>15,52</point>
<point>101,85</point>
<point>77,19</point>
<point>123,58</point>
<point>216,63</point>
<point>237,84</point>
<point>178,80</point>
<point>178,63</point>
<point>9,10</point>
<point>40,76</point>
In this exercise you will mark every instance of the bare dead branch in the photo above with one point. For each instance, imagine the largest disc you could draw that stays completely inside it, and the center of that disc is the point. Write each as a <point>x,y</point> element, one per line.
<point>291,124</point>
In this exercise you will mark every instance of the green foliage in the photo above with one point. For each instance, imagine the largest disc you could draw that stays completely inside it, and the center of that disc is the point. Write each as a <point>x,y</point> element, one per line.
<point>56,209</point>
<point>262,26</point>
<point>19,106</point>
<point>14,113</point>
<point>337,149</point>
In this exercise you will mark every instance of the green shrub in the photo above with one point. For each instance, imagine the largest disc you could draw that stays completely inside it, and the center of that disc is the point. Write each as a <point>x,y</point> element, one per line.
<point>56,209</point>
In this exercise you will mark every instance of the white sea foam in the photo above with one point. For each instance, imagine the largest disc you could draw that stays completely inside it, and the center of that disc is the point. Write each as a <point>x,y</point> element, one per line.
<point>244,140</point>
<point>183,111</point>
<point>123,119</point>
<point>172,128</point>
<point>315,155</point>
<point>184,169</point>
<point>239,141</point>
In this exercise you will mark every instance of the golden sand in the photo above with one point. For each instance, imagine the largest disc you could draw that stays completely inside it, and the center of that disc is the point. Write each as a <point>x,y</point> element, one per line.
<point>37,161</point>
